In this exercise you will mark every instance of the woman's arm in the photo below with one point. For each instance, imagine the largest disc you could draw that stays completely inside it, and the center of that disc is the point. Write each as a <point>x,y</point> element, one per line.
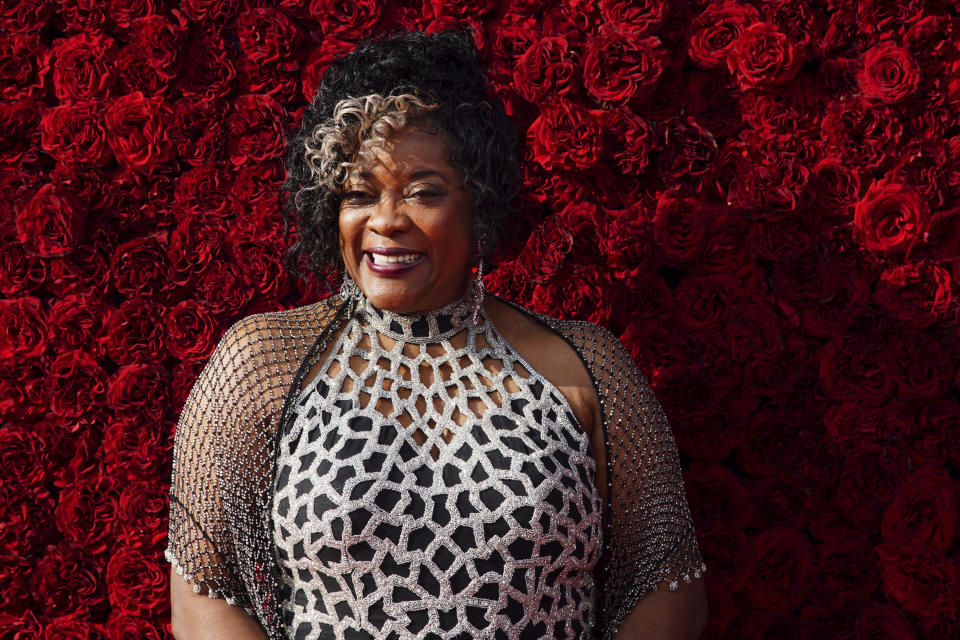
<point>196,616</point>
<point>668,615</point>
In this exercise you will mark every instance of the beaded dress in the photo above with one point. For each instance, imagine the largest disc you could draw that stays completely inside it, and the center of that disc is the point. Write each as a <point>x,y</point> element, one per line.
<point>345,472</point>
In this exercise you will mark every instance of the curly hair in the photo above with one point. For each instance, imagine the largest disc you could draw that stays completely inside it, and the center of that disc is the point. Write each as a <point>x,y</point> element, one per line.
<point>375,89</point>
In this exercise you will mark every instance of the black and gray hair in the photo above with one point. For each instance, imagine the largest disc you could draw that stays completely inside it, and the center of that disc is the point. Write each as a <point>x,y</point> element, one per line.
<point>382,86</point>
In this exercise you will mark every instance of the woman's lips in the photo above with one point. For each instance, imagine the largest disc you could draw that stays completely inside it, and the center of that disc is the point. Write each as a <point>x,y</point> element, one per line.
<point>391,268</point>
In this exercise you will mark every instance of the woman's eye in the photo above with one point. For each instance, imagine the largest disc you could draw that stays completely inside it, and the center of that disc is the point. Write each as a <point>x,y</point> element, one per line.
<point>356,196</point>
<point>423,194</point>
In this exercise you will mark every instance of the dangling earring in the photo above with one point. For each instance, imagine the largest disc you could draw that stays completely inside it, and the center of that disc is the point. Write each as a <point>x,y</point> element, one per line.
<point>349,292</point>
<point>478,290</point>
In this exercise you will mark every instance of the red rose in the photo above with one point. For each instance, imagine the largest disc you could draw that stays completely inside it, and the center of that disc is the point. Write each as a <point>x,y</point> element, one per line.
<point>142,512</point>
<point>136,450</point>
<point>763,57</point>
<point>877,16</point>
<point>349,19</point>
<point>26,519</point>
<point>318,61</point>
<point>883,621</point>
<point>259,262</point>
<point>689,150</point>
<point>24,67</point>
<point>123,626</point>
<point>86,270</point>
<point>924,511</point>
<point>191,330</point>
<point>869,479</point>
<point>626,242</point>
<point>940,242</point>
<point>579,293</point>
<point>849,423</point>
<point>140,390</point>
<point>207,70</point>
<point>565,136</point>
<point>15,572</point>
<point>890,217</point>
<point>849,570</point>
<point>83,16</point>
<point>74,134</point>
<point>702,301</point>
<point>193,245</point>
<point>23,391</point>
<point>850,372</point>
<point>24,333</point>
<point>82,67</point>
<point>916,295</point>
<point>770,189</point>
<point>52,222</point>
<point>864,134</point>
<point>781,569</point>
<point>159,43</point>
<point>19,132</point>
<point>678,227</point>
<point>928,41</point>
<point>77,322</point>
<point>634,17</point>
<point>718,500</point>
<point>20,272</point>
<point>920,366</point>
<point>203,192</point>
<point>197,129</point>
<point>68,580</point>
<point>137,583</point>
<point>137,132</point>
<point>222,289</point>
<point>547,246</point>
<point>620,68</point>
<point>24,626</point>
<point>545,69</point>
<point>835,186</point>
<point>29,15</point>
<point>210,12</point>
<point>630,141</point>
<point>86,513</point>
<point>255,129</point>
<point>140,267</point>
<point>713,32</point>
<point>135,333</point>
<point>890,74</point>
<point>72,627</point>
<point>924,582</point>
<point>269,37</point>
<point>77,385</point>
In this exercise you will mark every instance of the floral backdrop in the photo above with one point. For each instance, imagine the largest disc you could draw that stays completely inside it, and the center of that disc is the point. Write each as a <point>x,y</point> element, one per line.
<point>759,197</point>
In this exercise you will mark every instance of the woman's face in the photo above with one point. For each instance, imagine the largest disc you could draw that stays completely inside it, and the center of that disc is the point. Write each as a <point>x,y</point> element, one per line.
<point>404,229</point>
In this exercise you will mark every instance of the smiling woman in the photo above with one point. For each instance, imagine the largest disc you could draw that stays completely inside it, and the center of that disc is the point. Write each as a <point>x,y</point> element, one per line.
<point>411,458</point>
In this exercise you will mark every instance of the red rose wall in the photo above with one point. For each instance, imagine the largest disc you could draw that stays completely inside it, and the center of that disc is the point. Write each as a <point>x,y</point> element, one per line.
<point>759,198</point>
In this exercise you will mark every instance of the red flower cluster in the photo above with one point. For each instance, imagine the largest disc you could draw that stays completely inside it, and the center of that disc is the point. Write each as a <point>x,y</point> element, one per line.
<point>760,198</point>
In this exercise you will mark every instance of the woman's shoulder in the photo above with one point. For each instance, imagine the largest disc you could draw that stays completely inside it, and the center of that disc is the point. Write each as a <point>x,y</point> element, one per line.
<point>273,337</point>
<point>584,337</point>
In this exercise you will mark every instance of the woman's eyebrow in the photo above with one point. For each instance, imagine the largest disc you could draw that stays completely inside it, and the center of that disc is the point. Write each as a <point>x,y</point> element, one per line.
<point>423,173</point>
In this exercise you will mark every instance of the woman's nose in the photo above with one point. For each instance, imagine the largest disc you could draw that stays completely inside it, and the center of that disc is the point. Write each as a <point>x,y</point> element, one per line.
<point>389,216</point>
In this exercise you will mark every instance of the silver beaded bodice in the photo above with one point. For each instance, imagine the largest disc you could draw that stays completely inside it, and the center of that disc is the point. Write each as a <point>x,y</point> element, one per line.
<point>433,484</point>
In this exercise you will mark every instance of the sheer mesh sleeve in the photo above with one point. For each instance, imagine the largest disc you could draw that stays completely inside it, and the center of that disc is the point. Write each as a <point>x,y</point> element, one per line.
<point>220,536</point>
<point>200,543</point>
<point>649,533</point>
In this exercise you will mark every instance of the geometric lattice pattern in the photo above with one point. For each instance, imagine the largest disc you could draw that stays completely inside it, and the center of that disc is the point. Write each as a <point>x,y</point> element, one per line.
<point>432,484</point>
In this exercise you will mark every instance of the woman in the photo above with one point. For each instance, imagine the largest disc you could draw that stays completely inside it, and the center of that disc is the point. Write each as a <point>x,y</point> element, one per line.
<point>412,458</point>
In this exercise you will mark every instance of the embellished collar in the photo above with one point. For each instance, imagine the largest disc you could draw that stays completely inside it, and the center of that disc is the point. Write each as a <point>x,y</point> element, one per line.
<point>418,326</point>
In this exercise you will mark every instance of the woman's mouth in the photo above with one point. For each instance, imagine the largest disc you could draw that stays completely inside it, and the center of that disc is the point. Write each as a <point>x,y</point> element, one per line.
<point>389,264</point>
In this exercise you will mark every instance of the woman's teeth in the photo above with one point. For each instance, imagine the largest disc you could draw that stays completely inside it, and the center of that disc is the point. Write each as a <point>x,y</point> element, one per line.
<point>403,259</point>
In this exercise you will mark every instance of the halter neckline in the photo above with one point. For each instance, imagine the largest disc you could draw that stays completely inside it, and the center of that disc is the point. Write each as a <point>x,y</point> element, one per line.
<point>430,325</point>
